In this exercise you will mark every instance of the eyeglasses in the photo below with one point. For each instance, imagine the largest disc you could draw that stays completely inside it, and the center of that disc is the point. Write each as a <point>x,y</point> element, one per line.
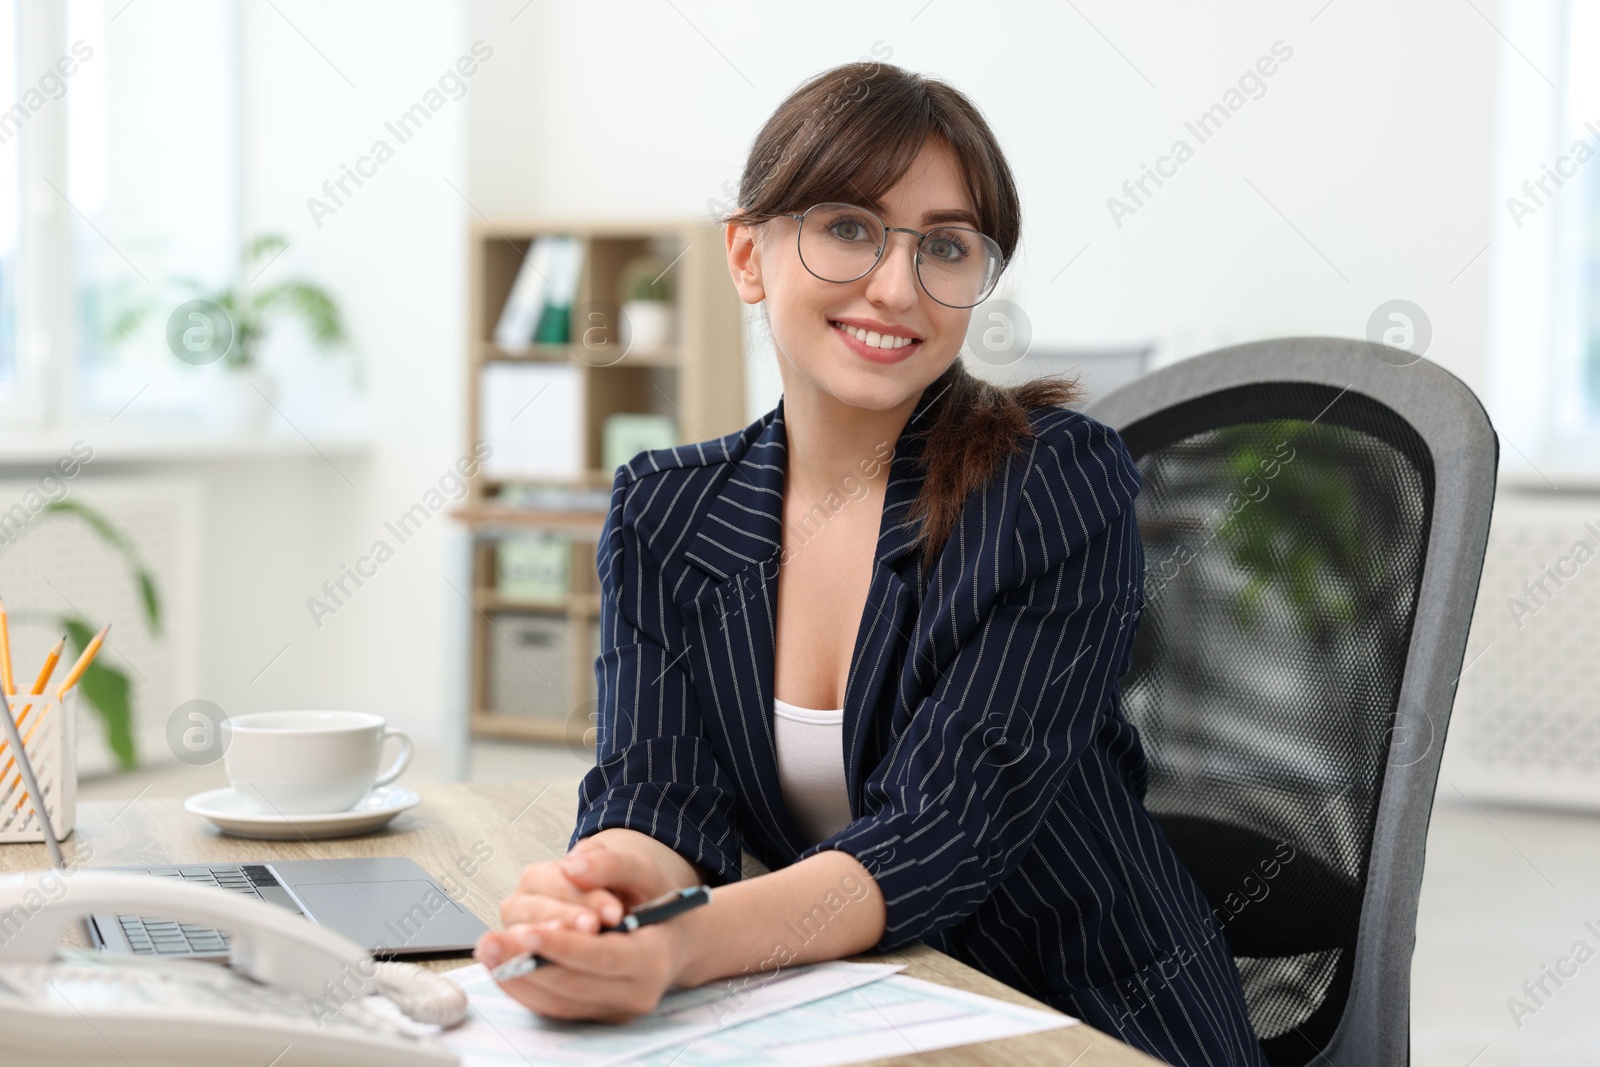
<point>955,265</point>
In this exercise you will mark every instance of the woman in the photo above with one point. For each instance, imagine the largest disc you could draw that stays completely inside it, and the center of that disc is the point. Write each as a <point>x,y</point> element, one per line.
<point>874,638</point>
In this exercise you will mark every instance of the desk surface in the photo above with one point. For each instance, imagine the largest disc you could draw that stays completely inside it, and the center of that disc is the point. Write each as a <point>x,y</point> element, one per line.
<point>475,839</point>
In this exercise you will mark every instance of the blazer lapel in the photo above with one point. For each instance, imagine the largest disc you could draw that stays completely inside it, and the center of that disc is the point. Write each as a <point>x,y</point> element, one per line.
<point>730,621</point>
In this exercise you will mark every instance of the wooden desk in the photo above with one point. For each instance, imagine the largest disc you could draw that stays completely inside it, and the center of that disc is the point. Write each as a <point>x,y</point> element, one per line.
<point>476,838</point>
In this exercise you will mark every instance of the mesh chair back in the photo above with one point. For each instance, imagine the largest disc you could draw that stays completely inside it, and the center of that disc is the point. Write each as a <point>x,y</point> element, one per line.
<point>1285,677</point>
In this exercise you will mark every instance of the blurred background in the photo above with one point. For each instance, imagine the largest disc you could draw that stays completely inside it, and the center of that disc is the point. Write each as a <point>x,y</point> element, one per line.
<point>298,387</point>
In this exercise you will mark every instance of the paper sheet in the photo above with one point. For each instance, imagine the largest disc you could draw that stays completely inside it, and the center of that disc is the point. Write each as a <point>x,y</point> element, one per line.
<point>898,1016</point>
<point>500,1032</point>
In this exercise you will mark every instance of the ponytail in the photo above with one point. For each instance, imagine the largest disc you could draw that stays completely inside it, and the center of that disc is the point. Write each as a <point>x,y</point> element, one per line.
<point>976,427</point>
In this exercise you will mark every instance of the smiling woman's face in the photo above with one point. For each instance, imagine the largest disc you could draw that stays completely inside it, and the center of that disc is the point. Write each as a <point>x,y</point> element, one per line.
<point>806,313</point>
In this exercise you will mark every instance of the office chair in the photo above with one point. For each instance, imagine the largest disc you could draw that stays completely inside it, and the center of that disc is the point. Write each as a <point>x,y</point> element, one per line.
<point>1314,516</point>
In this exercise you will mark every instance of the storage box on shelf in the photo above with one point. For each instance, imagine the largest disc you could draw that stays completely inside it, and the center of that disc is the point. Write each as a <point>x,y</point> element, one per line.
<point>534,643</point>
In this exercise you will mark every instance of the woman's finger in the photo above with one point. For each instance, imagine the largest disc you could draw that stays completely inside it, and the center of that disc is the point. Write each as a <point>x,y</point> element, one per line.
<point>599,907</point>
<point>494,947</point>
<point>535,907</point>
<point>613,969</point>
<point>546,877</point>
<point>606,956</point>
<point>613,956</point>
<point>604,904</point>
<point>549,880</point>
<point>627,873</point>
<point>560,992</point>
<point>542,997</point>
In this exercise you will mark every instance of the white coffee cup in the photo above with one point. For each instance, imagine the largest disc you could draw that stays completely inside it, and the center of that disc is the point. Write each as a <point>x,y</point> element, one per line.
<point>308,762</point>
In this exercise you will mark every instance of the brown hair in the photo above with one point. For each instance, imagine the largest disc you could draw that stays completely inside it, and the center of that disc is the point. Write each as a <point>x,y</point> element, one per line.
<point>849,134</point>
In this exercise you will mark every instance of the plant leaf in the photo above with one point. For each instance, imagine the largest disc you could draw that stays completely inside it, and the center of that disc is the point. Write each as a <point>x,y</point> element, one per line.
<point>97,521</point>
<point>118,540</point>
<point>311,303</point>
<point>106,689</point>
<point>126,322</point>
<point>265,245</point>
<point>152,600</point>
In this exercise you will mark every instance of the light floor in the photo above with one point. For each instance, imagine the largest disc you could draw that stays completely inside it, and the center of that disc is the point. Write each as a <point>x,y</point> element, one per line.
<point>1506,895</point>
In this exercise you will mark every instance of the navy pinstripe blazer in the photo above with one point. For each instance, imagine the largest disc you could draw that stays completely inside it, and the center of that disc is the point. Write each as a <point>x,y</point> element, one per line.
<point>995,786</point>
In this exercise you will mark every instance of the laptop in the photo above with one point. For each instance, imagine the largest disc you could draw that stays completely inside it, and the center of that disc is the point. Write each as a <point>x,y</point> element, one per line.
<point>387,904</point>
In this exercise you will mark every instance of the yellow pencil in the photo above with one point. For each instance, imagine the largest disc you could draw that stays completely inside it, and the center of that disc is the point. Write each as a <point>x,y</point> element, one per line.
<point>73,675</point>
<point>39,685</point>
<point>83,661</point>
<point>5,673</point>
<point>49,667</point>
<point>5,652</point>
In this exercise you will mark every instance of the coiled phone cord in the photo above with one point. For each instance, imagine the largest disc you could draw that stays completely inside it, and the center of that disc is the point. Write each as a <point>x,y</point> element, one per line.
<point>421,994</point>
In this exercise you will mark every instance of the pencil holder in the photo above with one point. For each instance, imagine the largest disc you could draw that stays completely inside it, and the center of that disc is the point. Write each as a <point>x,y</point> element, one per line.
<point>49,731</point>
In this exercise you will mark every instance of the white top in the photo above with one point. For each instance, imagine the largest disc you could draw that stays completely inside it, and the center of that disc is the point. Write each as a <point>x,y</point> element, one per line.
<point>811,767</point>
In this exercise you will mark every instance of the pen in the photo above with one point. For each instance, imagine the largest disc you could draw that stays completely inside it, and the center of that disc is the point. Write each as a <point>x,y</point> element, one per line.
<point>654,911</point>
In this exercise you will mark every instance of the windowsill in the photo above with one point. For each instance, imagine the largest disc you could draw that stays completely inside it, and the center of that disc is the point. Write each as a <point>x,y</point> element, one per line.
<point>30,448</point>
<point>1550,479</point>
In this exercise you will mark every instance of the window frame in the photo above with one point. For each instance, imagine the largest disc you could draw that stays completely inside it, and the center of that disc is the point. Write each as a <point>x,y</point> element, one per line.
<point>34,398</point>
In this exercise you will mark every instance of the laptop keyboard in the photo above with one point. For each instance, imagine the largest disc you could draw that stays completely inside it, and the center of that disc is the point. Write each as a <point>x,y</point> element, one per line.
<point>150,936</point>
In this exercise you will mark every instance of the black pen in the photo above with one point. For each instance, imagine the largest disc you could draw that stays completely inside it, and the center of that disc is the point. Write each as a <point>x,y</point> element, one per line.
<point>654,911</point>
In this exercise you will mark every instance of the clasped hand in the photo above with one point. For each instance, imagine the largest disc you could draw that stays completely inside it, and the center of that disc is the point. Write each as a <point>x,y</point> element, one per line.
<point>556,912</point>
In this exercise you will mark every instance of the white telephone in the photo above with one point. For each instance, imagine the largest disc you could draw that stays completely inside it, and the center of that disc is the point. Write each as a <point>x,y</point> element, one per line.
<point>291,990</point>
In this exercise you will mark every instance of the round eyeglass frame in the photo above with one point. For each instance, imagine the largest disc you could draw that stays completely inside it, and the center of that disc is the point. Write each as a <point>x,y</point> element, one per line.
<point>877,258</point>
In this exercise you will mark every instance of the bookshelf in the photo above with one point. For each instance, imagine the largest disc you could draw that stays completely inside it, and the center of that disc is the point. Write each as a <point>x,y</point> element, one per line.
<point>531,658</point>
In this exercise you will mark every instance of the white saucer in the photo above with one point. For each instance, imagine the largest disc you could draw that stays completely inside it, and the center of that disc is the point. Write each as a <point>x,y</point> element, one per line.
<point>233,816</point>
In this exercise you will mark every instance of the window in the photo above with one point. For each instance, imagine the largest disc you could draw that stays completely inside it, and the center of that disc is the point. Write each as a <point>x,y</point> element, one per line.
<point>1543,351</point>
<point>123,198</point>
<point>1577,335</point>
<point>10,201</point>
<point>152,178</point>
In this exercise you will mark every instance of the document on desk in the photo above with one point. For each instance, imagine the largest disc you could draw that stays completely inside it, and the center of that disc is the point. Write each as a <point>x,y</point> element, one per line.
<point>813,1015</point>
<point>500,1032</point>
<point>898,1016</point>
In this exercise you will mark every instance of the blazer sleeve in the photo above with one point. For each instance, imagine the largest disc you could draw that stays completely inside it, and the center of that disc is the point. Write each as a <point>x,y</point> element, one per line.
<point>654,770</point>
<point>957,800</point>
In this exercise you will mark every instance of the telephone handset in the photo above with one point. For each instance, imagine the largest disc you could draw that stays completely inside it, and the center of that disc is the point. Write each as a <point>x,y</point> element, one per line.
<point>290,986</point>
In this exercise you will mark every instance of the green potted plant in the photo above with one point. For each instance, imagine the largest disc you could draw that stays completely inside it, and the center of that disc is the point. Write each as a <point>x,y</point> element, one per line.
<point>244,391</point>
<point>104,689</point>
<point>647,289</point>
